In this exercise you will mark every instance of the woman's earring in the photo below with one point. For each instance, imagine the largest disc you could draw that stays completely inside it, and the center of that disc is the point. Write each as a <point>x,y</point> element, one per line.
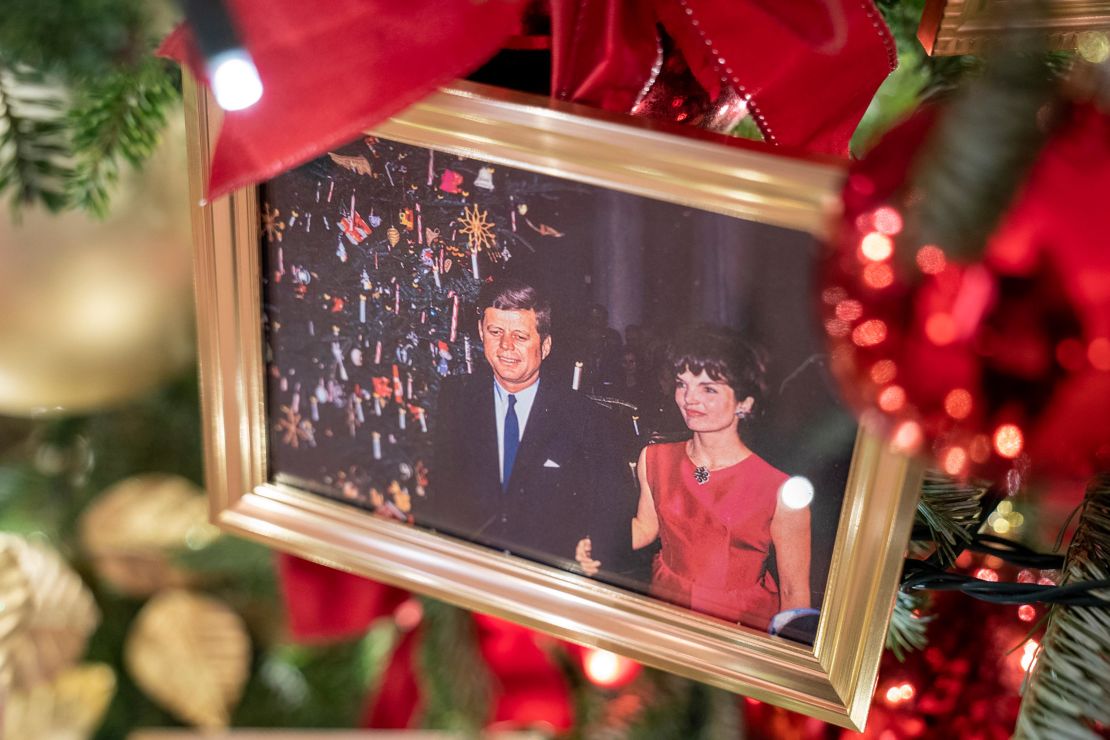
<point>743,413</point>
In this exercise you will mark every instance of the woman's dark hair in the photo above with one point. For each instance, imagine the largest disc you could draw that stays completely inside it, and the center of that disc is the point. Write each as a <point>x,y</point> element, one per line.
<point>512,294</point>
<point>723,355</point>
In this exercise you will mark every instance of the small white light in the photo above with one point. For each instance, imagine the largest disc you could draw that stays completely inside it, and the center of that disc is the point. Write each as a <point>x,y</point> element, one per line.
<point>796,492</point>
<point>235,81</point>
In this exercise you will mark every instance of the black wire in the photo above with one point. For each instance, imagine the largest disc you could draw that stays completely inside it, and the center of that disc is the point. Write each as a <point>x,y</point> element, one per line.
<point>1015,552</point>
<point>919,575</point>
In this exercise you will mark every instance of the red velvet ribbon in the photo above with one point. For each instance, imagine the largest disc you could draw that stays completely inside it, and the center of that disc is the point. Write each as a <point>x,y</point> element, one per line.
<point>331,70</point>
<point>808,68</point>
<point>325,604</point>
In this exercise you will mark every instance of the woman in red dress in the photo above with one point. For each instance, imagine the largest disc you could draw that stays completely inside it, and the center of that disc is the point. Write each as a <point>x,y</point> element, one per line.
<point>715,504</point>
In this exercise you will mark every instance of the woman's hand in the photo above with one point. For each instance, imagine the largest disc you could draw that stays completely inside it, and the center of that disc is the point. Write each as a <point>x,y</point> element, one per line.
<point>582,554</point>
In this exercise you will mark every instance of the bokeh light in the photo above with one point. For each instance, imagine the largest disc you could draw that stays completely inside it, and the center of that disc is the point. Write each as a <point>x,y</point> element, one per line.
<point>876,247</point>
<point>887,220</point>
<point>869,333</point>
<point>1098,352</point>
<point>954,460</point>
<point>940,327</point>
<point>1008,441</point>
<point>958,403</point>
<point>834,295</point>
<point>899,693</point>
<point>892,398</point>
<point>878,275</point>
<point>883,371</point>
<point>608,670</point>
<point>907,438</point>
<point>931,260</point>
<point>837,328</point>
<point>980,448</point>
<point>796,492</point>
<point>1029,654</point>
<point>849,310</point>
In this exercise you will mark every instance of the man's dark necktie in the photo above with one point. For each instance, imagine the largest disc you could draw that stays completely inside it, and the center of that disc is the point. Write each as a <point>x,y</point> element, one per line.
<point>512,441</point>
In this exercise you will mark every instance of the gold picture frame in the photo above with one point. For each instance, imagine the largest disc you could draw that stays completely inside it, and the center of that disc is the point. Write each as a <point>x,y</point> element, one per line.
<point>952,27</point>
<point>833,679</point>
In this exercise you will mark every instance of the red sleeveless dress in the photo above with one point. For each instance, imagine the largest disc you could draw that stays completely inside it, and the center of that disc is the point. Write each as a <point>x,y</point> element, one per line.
<point>715,537</point>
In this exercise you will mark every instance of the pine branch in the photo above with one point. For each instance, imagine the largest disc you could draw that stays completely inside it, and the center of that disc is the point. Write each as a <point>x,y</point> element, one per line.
<point>1068,694</point>
<point>952,512</point>
<point>980,152</point>
<point>456,682</point>
<point>76,39</point>
<point>118,117</point>
<point>34,144</point>
<point>907,625</point>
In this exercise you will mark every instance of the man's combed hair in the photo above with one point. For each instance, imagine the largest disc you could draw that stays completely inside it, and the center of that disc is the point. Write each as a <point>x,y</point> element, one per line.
<point>724,357</point>
<point>512,294</point>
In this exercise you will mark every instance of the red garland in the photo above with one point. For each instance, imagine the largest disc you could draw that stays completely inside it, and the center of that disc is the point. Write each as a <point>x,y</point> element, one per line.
<point>807,68</point>
<point>993,365</point>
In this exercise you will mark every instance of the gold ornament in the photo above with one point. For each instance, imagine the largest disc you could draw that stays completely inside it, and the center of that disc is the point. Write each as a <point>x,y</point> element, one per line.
<point>70,707</point>
<point>55,613</point>
<point>273,228</point>
<point>393,235</point>
<point>97,312</point>
<point>15,611</point>
<point>190,654</point>
<point>478,228</point>
<point>132,528</point>
<point>357,164</point>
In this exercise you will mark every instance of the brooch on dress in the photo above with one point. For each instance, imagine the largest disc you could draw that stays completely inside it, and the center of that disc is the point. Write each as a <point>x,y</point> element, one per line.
<point>701,475</point>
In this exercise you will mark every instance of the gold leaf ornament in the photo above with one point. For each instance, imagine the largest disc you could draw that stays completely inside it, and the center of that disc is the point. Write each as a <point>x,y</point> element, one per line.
<point>15,609</point>
<point>70,707</point>
<point>191,654</point>
<point>47,617</point>
<point>132,528</point>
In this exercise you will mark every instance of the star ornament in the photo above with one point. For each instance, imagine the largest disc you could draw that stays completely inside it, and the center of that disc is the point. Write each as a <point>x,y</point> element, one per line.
<point>294,429</point>
<point>272,225</point>
<point>477,227</point>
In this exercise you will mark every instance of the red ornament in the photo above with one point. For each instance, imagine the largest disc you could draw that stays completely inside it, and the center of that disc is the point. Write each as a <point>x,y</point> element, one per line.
<point>674,94</point>
<point>992,365</point>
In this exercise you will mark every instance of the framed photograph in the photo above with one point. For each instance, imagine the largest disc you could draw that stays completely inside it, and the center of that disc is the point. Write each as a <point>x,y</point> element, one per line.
<point>562,367</point>
<point>951,27</point>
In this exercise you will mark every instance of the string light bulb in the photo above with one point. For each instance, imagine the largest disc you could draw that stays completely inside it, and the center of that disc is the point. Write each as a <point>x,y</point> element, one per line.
<point>608,670</point>
<point>235,81</point>
<point>231,72</point>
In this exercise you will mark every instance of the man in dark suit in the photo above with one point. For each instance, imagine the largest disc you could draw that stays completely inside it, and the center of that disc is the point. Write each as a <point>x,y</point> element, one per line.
<point>522,461</point>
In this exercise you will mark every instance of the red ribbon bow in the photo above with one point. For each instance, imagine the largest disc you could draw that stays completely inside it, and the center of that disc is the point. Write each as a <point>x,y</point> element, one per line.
<point>807,68</point>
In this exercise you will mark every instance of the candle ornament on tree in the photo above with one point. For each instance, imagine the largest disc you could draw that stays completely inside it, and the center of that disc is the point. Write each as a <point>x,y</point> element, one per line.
<point>992,367</point>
